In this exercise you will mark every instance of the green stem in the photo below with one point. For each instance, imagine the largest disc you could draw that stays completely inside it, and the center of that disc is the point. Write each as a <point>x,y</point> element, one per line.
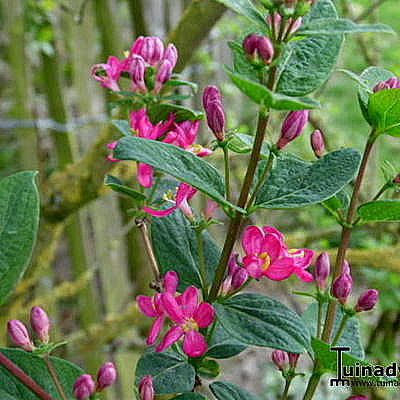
<point>285,393</point>
<point>227,173</point>
<point>154,188</point>
<point>202,263</point>
<point>341,329</point>
<point>320,315</point>
<point>54,376</point>
<point>262,179</point>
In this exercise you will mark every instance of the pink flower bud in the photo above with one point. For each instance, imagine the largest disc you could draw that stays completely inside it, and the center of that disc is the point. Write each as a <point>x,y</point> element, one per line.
<point>292,127</point>
<point>279,358</point>
<point>146,390</point>
<point>211,94</point>
<point>318,143</point>
<point>171,54</point>
<point>106,376</point>
<point>250,45</point>
<point>367,300</point>
<point>137,70</point>
<point>397,179</point>
<point>40,324</point>
<point>152,50</point>
<point>391,83</point>
<point>296,25</point>
<point>341,287</point>
<point>19,334</point>
<point>216,119</point>
<point>293,358</point>
<point>84,387</point>
<point>163,75</point>
<point>239,278</point>
<point>277,21</point>
<point>258,48</point>
<point>212,206</point>
<point>322,270</point>
<point>357,397</point>
<point>137,46</point>
<point>346,269</point>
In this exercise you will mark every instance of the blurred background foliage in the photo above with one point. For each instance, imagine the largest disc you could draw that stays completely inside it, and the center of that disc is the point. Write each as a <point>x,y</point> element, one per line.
<point>89,263</point>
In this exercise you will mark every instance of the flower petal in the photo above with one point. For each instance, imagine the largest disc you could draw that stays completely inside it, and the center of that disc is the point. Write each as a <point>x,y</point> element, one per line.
<point>302,257</point>
<point>270,229</point>
<point>145,175</point>
<point>159,213</point>
<point>204,315</point>
<point>304,275</point>
<point>155,330</point>
<point>272,246</point>
<point>172,336</point>
<point>253,266</point>
<point>251,240</point>
<point>194,344</point>
<point>190,300</point>
<point>170,282</point>
<point>146,306</point>
<point>172,308</point>
<point>280,269</point>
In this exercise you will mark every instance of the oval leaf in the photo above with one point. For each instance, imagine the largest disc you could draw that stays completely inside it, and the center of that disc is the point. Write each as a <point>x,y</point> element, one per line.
<point>380,211</point>
<point>118,186</point>
<point>190,396</point>
<point>296,183</point>
<point>170,371</point>
<point>161,112</point>
<point>228,391</point>
<point>19,219</point>
<point>176,162</point>
<point>36,368</point>
<point>245,8</point>
<point>222,345</point>
<point>263,321</point>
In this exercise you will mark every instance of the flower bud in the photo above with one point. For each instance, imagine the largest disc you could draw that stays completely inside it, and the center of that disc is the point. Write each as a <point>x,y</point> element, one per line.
<point>137,70</point>
<point>322,270</point>
<point>293,358</point>
<point>212,206</point>
<point>19,334</point>
<point>346,269</point>
<point>265,49</point>
<point>357,397</point>
<point>146,390</point>
<point>211,94</point>
<point>318,143</point>
<point>152,50</point>
<point>250,46</point>
<point>171,54</point>
<point>396,179</point>
<point>277,21</point>
<point>279,358</point>
<point>292,127</point>
<point>341,287</point>
<point>258,49</point>
<point>391,83</point>
<point>106,376</point>
<point>295,26</point>
<point>40,324</point>
<point>137,46</point>
<point>216,119</point>
<point>237,276</point>
<point>83,387</point>
<point>163,75</point>
<point>367,300</point>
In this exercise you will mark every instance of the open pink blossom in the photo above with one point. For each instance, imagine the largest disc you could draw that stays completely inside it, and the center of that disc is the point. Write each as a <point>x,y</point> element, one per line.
<point>152,306</point>
<point>188,316</point>
<point>183,194</point>
<point>111,73</point>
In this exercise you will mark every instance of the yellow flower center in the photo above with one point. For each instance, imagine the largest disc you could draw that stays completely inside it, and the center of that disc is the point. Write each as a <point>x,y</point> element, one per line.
<point>190,324</point>
<point>267,261</point>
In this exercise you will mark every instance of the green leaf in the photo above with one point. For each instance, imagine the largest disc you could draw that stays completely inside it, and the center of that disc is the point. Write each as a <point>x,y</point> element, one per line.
<point>123,126</point>
<point>190,396</point>
<point>228,391</point>
<point>263,321</point>
<point>161,112</point>
<point>265,97</point>
<point>306,64</point>
<point>118,186</point>
<point>36,368</point>
<point>241,64</point>
<point>171,372</point>
<point>175,248</point>
<point>334,26</point>
<point>351,334</point>
<point>245,8</point>
<point>176,162</point>
<point>19,219</point>
<point>295,183</point>
<point>242,143</point>
<point>180,82</point>
<point>340,201</point>
<point>222,345</point>
<point>384,111</point>
<point>370,76</point>
<point>208,369</point>
<point>380,211</point>
<point>328,359</point>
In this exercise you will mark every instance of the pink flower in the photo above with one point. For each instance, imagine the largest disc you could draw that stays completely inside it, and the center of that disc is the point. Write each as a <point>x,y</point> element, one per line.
<point>183,194</point>
<point>112,71</point>
<point>189,316</point>
<point>152,306</point>
<point>267,255</point>
<point>212,206</point>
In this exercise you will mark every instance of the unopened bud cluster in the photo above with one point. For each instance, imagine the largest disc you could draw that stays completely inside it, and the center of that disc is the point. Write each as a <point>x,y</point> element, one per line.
<point>85,387</point>
<point>283,359</point>
<point>258,49</point>
<point>214,108</point>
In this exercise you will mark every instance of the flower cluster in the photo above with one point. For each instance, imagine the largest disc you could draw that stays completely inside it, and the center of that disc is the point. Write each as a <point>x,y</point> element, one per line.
<point>85,387</point>
<point>281,358</point>
<point>185,312</point>
<point>391,83</point>
<point>147,58</point>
